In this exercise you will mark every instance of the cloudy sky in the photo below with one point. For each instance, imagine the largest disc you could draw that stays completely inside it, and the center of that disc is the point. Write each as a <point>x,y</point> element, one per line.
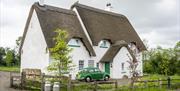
<point>157,21</point>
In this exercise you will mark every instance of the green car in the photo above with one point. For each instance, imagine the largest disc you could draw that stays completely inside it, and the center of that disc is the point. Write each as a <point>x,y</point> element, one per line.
<point>91,73</point>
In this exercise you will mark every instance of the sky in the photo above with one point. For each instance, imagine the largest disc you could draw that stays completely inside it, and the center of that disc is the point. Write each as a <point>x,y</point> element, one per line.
<point>157,21</point>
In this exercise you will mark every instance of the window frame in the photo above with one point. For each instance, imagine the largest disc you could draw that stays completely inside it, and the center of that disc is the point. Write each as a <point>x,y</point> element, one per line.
<point>91,64</point>
<point>81,64</point>
<point>76,43</point>
<point>103,44</point>
<point>122,66</point>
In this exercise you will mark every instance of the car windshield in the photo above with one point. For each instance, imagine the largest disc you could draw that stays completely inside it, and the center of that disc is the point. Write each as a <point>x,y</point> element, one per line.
<point>96,70</point>
<point>90,70</point>
<point>83,70</point>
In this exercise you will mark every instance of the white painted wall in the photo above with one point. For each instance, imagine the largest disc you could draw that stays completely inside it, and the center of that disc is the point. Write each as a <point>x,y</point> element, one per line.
<point>78,53</point>
<point>138,56</point>
<point>34,53</point>
<point>121,57</point>
<point>100,53</point>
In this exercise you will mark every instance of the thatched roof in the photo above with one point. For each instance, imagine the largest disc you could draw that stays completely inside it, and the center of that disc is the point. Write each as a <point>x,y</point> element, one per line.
<point>51,18</point>
<point>114,49</point>
<point>102,24</point>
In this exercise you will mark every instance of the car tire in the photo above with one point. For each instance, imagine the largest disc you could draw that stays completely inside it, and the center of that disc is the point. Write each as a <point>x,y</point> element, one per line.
<point>106,78</point>
<point>88,79</point>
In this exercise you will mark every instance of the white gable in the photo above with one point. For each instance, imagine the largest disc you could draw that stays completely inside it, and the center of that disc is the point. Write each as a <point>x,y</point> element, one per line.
<point>34,53</point>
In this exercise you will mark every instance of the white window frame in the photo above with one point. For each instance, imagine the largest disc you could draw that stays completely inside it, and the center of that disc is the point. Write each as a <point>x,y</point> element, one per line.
<point>74,43</point>
<point>103,44</point>
<point>90,63</point>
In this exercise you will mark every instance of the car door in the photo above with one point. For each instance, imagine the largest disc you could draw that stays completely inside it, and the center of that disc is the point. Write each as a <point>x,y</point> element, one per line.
<point>92,73</point>
<point>98,74</point>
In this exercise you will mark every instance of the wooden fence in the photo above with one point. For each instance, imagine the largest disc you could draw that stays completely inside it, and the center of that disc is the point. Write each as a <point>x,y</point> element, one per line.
<point>25,76</point>
<point>41,79</point>
<point>159,83</point>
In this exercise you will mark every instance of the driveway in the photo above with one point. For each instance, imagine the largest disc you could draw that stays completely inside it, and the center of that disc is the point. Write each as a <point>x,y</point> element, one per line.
<point>5,82</point>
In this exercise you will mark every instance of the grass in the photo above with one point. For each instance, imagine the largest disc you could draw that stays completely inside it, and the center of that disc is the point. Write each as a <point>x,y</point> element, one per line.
<point>157,76</point>
<point>175,81</point>
<point>10,69</point>
<point>143,89</point>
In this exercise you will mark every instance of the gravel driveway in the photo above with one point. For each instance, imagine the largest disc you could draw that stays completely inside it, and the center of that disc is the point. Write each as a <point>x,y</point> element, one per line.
<point>5,82</point>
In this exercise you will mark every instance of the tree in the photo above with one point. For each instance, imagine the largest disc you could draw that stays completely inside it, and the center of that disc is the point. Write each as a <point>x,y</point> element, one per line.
<point>177,55</point>
<point>10,57</point>
<point>161,60</point>
<point>2,55</point>
<point>132,66</point>
<point>61,63</point>
<point>17,56</point>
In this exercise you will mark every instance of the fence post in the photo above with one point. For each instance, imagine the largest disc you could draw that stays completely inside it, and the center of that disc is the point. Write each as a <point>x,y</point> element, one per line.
<point>42,81</point>
<point>145,84</point>
<point>169,82</point>
<point>95,86</point>
<point>116,84</point>
<point>23,80</point>
<point>11,80</point>
<point>160,82</point>
<point>69,83</point>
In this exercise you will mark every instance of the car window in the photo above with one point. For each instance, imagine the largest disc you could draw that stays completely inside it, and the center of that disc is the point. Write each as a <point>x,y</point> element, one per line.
<point>97,70</point>
<point>91,70</point>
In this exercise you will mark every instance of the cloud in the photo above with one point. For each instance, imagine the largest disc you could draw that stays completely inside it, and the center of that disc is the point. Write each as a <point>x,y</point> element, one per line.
<point>158,21</point>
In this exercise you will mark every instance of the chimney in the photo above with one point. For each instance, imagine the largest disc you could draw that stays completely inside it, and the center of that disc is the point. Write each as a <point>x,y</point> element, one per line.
<point>41,2</point>
<point>108,7</point>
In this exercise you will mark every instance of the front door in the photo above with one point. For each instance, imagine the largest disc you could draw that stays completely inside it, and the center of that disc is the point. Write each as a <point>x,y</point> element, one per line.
<point>107,67</point>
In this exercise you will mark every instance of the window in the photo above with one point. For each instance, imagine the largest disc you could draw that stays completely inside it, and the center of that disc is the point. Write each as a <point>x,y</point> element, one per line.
<point>77,41</point>
<point>90,63</point>
<point>97,65</point>
<point>91,70</point>
<point>74,43</point>
<point>96,70</point>
<point>81,64</point>
<point>122,66</point>
<point>103,44</point>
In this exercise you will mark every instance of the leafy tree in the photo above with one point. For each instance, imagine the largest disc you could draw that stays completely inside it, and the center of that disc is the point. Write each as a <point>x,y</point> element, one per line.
<point>17,56</point>
<point>61,63</point>
<point>161,60</point>
<point>10,57</point>
<point>164,66</point>
<point>2,55</point>
<point>177,55</point>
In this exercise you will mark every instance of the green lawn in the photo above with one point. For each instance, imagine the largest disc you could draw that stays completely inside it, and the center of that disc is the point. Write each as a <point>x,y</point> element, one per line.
<point>10,69</point>
<point>157,76</point>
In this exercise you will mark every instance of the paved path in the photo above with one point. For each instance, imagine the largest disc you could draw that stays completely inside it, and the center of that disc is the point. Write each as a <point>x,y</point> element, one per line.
<point>5,82</point>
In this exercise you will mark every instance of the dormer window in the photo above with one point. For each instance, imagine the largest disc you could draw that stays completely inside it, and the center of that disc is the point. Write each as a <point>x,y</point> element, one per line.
<point>74,43</point>
<point>104,44</point>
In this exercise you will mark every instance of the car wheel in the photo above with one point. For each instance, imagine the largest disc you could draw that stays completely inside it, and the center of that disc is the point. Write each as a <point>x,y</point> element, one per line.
<point>106,78</point>
<point>88,79</point>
